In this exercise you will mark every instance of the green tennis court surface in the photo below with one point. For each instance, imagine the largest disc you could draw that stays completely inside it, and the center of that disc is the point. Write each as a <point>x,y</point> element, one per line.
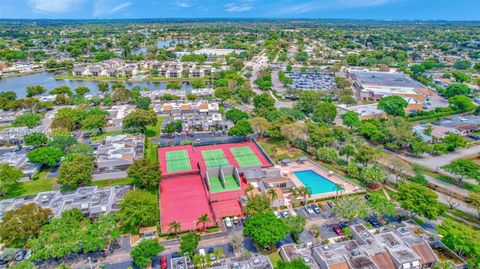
<point>245,156</point>
<point>217,186</point>
<point>177,161</point>
<point>214,158</point>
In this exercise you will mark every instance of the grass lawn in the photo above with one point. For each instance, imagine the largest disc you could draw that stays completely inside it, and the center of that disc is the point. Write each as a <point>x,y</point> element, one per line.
<point>278,149</point>
<point>101,136</point>
<point>463,185</point>
<point>274,258</point>
<point>32,187</point>
<point>151,152</point>
<point>111,182</point>
<point>154,131</point>
<point>4,127</point>
<point>72,77</point>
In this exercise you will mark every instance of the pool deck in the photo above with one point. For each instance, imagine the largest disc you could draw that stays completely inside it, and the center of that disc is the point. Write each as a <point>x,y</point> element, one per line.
<point>349,187</point>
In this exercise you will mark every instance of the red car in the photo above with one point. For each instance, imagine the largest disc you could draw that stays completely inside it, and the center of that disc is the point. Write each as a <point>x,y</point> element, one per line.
<point>163,262</point>
<point>337,229</point>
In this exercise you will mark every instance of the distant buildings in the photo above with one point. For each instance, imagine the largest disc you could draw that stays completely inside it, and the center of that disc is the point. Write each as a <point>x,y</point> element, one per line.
<point>372,86</point>
<point>92,201</point>
<point>108,68</point>
<point>115,116</point>
<point>181,94</point>
<point>365,112</point>
<point>15,135</point>
<point>115,155</point>
<point>397,248</point>
<point>19,160</point>
<point>7,117</point>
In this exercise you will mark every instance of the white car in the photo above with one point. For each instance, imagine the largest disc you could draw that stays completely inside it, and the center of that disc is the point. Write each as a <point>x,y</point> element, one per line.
<point>309,209</point>
<point>228,222</point>
<point>277,214</point>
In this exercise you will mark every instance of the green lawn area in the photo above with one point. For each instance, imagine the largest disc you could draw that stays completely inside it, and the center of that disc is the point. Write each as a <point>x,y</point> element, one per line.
<point>111,182</point>
<point>151,152</point>
<point>4,127</point>
<point>274,258</point>
<point>72,77</point>
<point>32,187</point>
<point>278,149</point>
<point>101,136</point>
<point>154,131</point>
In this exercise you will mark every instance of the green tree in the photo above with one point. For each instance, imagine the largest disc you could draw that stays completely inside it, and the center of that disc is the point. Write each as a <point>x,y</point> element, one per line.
<point>223,93</point>
<point>348,151</point>
<point>62,142</point>
<point>460,76</point>
<point>351,119</point>
<point>474,198</point>
<point>463,168</point>
<point>103,87</point>
<point>174,227</point>
<point>9,176</point>
<point>143,253</point>
<point>420,147</point>
<point>457,89</point>
<point>29,120</point>
<point>82,90</point>
<point>308,101</point>
<point>198,83</point>
<point>418,199</point>
<point>138,208</point>
<point>94,122</point>
<point>393,105</point>
<point>296,226</point>
<point>235,115</point>
<point>46,156</point>
<point>144,173</point>
<point>77,172</point>
<point>260,125</point>
<point>23,223</point>
<point>189,243</point>
<point>350,208</point>
<point>381,206</point>
<point>139,119</point>
<point>353,59</point>
<point>372,175</point>
<point>294,264</point>
<point>35,139</point>
<point>257,204</point>
<point>366,154</point>
<point>328,155</point>
<point>325,112</point>
<point>462,239</point>
<point>203,219</point>
<point>265,229</point>
<point>454,141</point>
<point>461,103</point>
<point>23,265</point>
<point>263,105</point>
<point>241,129</point>
<point>35,90</point>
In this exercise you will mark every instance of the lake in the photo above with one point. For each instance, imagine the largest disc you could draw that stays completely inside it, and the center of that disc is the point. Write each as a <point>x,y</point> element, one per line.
<point>19,84</point>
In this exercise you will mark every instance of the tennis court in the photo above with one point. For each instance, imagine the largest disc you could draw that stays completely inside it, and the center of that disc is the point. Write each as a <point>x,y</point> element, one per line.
<point>177,161</point>
<point>214,158</point>
<point>245,156</point>
<point>216,184</point>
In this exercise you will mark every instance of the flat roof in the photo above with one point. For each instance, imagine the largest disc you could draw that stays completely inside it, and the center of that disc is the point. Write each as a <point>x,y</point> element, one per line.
<point>392,79</point>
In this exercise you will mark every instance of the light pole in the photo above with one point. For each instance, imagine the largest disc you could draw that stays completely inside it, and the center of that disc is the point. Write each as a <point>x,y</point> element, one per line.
<point>90,262</point>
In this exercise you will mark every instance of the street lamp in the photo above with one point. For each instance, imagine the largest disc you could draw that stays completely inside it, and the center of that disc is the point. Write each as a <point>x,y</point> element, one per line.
<point>90,262</point>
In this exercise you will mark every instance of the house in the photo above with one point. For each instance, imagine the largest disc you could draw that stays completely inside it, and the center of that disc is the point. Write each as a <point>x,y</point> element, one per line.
<point>19,160</point>
<point>115,155</point>
<point>7,117</point>
<point>92,200</point>
<point>116,114</point>
<point>365,112</point>
<point>15,135</point>
<point>373,85</point>
<point>463,124</point>
<point>438,132</point>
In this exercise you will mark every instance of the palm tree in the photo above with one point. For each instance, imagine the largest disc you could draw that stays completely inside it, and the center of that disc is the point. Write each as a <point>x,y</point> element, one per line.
<point>218,254</point>
<point>338,187</point>
<point>294,194</point>
<point>203,219</point>
<point>272,194</point>
<point>304,193</point>
<point>174,227</point>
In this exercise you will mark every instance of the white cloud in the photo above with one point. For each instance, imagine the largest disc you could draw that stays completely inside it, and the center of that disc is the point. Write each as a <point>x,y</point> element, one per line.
<point>54,6</point>
<point>238,7</point>
<point>183,4</point>
<point>104,7</point>
<point>293,8</point>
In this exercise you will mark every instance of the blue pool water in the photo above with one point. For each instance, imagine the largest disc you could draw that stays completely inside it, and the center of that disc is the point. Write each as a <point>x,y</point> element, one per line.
<point>315,182</point>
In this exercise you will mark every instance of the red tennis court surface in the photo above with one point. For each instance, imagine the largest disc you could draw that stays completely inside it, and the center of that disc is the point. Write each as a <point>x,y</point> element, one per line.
<point>228,154</point>
<point>183,199</point>
<point>162,159</point>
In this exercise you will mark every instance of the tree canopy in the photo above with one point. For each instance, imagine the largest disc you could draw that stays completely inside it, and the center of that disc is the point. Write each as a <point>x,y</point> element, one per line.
<point>138,208</point>
<point>419,199</point>
<point>77,172</point>
<point>265,229</point>
<point>393,105</point>
<point>9,176</point>
<point>143,253</point>
<point>47,155</point>
<point>144,173</point>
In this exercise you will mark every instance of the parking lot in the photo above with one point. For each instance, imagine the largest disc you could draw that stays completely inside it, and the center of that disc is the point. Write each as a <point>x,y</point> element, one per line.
<point>312,80</point>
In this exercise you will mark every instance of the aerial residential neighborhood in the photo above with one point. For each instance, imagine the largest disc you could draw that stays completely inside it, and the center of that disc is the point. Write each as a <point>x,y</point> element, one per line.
<point>246,134</point>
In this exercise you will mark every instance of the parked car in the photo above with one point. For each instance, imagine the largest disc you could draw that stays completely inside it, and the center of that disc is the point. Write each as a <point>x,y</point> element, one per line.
<point>201,252</point>
<point>235,220</point>
<point>337,229</point>
<point>28,255</point>
<point>4,260</point>
<point>374,221</point>
<point>285,213</point>
<point>20,255</point>
<point>175,255</point>
<point>277,214</point>
<point>330,204</point>
<point>343,224</point>
<point>367,196</point>
<point>316,209</point>
<point>309,209</point>
<point>228,222</point>
<point>163,262</point>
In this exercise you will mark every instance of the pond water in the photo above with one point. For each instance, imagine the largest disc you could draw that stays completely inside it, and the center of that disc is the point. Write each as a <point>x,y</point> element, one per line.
<point>46,79</point>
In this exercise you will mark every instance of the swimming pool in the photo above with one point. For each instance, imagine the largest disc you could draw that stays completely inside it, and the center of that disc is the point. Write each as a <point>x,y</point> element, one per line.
<point>315,182</point>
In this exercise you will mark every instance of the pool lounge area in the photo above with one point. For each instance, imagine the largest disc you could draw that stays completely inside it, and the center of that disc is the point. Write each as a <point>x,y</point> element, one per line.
<point>316,183</point>
<point>321,182</point>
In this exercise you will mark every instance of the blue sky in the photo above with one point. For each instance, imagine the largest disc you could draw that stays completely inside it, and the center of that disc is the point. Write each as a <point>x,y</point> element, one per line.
<point>354,9</point>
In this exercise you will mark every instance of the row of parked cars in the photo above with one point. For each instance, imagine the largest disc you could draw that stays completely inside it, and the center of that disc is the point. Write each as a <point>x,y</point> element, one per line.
<point>283,213</point>
<point>313,209</point>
